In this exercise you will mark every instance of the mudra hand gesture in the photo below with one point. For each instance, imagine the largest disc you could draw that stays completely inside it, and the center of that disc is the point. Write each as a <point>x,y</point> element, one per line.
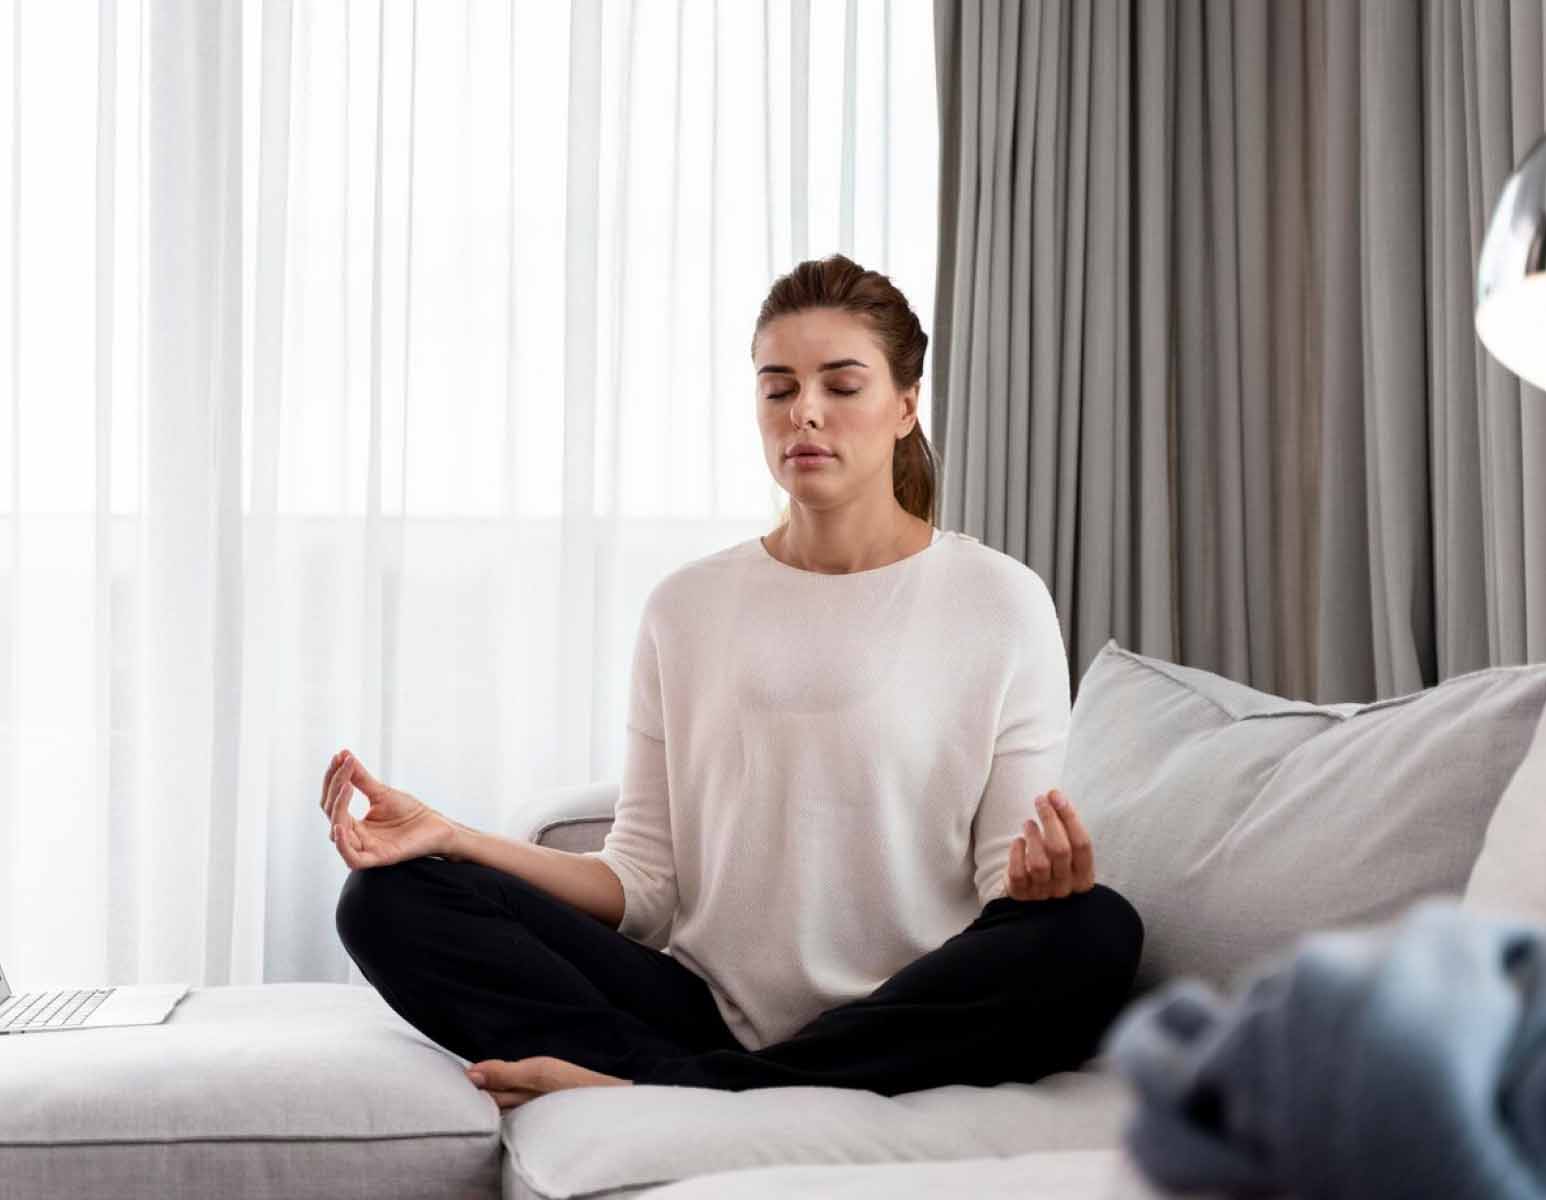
<point>1055,860</point>
<point>396,827</point>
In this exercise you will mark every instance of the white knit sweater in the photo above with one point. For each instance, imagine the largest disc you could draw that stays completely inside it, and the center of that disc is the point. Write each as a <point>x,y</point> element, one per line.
<point>824,773</point>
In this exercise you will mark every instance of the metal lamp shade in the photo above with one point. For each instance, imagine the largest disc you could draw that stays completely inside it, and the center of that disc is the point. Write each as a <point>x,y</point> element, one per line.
<point>1511,275</point>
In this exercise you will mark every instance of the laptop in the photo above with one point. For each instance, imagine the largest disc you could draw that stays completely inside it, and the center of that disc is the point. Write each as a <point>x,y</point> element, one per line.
<point>85,1008</point>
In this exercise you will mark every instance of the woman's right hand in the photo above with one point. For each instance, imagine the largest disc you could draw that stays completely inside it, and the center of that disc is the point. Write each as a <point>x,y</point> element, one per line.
<point>397,826</point>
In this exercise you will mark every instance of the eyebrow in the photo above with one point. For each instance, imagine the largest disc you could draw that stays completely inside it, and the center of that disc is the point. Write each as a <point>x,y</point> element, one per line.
<point>826,366</point>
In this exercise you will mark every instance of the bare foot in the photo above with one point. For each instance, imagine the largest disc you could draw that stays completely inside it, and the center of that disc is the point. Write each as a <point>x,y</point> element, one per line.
<point>514,1083</point>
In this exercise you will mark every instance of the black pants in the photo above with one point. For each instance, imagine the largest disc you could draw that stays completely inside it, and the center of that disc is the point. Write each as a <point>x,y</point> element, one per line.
<point>490,966</point>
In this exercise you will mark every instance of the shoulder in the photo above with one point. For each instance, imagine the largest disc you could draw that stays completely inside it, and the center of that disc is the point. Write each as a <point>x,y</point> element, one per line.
<point>686,588</point>
<point>1006,589</point>
<point>1009,617</point>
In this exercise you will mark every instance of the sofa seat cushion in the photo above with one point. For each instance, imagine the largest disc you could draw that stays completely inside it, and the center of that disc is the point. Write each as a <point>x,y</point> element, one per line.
<point>1044,1175</point>
<point>616,1142</point>
<point>287,1089</point>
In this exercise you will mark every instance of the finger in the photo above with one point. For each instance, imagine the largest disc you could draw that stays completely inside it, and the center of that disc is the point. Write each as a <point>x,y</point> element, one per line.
<point>332,813</point>
<point>351,846</point>
<point>1038,865</point>
<point>353,836</point>
<point>346,769</point>
<point>345,848</point>
<point>332,790</point>
<point>338,804</point>
<point>1055,838</point>
<point>363,779</point>
<point>1080,845</point>
<point>1017,883</point>
<point>327,779</point>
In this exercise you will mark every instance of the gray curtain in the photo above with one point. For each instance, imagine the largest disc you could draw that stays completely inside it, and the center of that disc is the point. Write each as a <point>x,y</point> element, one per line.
<point>1203,352</point>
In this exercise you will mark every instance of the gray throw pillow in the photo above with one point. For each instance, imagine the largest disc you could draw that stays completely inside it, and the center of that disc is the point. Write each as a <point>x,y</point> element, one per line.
<point>1235,820</point>
<point>1510,873</point>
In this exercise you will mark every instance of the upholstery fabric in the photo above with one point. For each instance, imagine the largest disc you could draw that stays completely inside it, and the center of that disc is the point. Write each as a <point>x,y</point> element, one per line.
<point>1048,1175</point>
<point>1509,875</point>
<point>296,1089</point>
<point>1234,820</point>
<point>658,1135</point>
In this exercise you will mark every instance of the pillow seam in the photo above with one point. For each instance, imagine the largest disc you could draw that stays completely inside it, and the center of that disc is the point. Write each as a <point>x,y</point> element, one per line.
<point>1387,701</point>
<point>1133,656</point>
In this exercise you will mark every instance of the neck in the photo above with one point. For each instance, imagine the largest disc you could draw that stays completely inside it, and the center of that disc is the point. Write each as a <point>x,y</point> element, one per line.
<point>828,553</point>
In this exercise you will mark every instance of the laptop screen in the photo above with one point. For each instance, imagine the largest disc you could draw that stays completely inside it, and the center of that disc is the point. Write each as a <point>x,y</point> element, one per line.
<point>5,988</point>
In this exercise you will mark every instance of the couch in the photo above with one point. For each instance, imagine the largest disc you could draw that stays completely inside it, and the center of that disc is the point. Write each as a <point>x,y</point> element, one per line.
<point>1234,820</point>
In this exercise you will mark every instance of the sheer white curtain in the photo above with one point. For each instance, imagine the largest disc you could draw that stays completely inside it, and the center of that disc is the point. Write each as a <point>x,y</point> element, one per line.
<point>362,365</point>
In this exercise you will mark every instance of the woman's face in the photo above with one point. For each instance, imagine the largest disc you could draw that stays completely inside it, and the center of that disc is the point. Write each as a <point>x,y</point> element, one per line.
<point>821,377</point>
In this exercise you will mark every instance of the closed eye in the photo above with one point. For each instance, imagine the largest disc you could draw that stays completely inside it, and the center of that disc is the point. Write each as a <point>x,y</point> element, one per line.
<point>839,391</point>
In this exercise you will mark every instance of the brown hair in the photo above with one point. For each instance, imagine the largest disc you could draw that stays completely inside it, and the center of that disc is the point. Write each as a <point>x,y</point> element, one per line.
<point>838,282</point>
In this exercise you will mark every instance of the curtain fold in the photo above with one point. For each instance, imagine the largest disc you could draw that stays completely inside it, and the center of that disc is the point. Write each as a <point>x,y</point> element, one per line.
<point>1231,405</point>
<point>363,364</point>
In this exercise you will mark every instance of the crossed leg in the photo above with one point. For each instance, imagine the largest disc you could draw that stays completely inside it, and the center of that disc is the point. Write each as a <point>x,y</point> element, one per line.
<point>1026,989</point>
<point>490,966</point>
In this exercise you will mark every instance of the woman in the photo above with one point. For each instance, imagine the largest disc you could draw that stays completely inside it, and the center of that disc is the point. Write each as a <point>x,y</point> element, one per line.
<point>857,715</point>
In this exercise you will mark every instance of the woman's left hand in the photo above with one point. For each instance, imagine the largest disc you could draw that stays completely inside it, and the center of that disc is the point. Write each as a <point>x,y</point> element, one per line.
<point>1050,862</point>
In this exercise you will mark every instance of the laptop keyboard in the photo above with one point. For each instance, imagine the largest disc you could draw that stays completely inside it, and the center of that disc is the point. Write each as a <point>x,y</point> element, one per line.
<point>51,1010</point>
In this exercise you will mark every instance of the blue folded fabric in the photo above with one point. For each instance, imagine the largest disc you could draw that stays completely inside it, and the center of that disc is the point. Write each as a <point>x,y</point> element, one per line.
<point>1405,1059</point>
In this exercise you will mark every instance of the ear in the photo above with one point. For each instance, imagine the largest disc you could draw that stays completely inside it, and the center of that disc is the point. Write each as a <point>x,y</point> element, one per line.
<point>909,398</point>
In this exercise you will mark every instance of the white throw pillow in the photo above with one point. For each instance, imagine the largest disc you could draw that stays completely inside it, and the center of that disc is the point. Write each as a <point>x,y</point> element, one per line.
<point>1234,820</point>
<point>1509,876</point>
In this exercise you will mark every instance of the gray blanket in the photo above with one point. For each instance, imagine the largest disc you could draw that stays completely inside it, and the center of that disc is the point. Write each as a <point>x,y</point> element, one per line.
<point>1405,1059</point>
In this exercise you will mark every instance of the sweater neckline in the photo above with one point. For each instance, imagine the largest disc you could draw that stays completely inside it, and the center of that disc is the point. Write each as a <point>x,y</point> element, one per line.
<point>763,552</point>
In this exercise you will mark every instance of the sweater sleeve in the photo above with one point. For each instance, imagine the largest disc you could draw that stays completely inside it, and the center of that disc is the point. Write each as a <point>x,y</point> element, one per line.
<point>1031,738</point>
<point>638,845</point>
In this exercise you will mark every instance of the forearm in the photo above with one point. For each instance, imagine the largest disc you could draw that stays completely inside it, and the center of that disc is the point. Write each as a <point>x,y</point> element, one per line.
<point>586,883</point>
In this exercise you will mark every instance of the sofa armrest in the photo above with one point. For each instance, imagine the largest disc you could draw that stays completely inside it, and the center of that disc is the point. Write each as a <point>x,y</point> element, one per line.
<point>573,818</point>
